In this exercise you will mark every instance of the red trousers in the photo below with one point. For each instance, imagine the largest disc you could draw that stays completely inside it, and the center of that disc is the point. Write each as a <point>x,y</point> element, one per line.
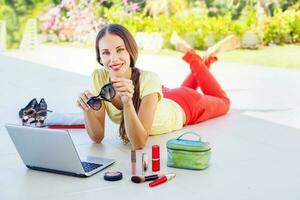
<point>199,107</point>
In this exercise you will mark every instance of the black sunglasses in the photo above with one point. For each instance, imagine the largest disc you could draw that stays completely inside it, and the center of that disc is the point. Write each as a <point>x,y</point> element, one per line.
<point>107,93</point>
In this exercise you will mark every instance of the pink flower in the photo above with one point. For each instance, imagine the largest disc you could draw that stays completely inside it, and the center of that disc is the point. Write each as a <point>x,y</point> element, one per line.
<point>77,22</point>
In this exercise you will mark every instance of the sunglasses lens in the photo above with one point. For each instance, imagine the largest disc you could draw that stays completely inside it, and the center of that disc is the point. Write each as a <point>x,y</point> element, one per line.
<point>108,92</point>
<point>94,103</point>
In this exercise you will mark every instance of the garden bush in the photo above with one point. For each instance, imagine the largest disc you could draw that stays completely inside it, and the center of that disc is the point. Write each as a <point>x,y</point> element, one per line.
<point>16,13</point>
<point>79,20</point>
<point>282,28</point>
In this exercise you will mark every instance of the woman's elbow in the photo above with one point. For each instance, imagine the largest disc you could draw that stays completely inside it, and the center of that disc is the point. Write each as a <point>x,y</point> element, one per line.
<point>97,140</point>
<point>140,145</point>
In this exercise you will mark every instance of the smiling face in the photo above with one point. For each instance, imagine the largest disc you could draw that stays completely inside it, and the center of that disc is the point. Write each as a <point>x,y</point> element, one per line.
<point>114,55</point>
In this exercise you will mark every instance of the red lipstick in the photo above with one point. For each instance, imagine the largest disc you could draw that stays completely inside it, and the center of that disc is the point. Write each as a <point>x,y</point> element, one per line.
<point>162,179</point>
<point>155,158</point>
<point>116,67</point>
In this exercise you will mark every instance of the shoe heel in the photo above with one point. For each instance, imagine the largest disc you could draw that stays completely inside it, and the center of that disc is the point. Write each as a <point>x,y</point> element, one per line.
<point>39,121</point>
<point>28,119</point>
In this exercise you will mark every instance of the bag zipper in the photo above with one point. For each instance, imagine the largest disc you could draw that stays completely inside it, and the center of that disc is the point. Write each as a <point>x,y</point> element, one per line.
<point>189,150</point>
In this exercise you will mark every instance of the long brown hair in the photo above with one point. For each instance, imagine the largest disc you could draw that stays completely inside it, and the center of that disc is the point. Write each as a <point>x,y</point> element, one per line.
<point>131,47</point>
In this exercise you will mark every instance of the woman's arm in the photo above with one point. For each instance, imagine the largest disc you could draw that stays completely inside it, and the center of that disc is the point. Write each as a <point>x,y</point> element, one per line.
<point>94,120</point>
<point>94,124</point>
<point>138,125</point>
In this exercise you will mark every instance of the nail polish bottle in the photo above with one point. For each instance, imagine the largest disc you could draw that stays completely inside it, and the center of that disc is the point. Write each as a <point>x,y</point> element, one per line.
<point>145,163</point>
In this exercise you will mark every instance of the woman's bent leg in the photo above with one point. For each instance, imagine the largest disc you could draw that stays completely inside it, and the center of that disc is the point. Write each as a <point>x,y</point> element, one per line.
<point>203,77</point>
<point>214,101</point>
<point>190,80</point>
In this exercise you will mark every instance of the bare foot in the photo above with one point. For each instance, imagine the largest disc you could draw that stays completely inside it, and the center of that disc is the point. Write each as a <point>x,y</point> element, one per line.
<point>180,44</point>
<point>229,43</point>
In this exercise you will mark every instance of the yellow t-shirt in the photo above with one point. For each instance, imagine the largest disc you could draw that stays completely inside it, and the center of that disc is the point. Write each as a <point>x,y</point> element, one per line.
<point>168,116</point>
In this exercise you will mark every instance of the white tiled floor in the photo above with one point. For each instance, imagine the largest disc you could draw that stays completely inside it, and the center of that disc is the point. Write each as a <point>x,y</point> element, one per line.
<point>255,147</point>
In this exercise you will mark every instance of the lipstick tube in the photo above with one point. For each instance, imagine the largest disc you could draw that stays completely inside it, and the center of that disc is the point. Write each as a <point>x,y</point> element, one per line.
<point>155,159</point>
<point>162,179</point>
<point>133,162</point>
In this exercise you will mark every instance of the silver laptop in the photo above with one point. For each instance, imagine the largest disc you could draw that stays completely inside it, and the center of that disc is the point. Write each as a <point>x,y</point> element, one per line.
<point>53,150</point>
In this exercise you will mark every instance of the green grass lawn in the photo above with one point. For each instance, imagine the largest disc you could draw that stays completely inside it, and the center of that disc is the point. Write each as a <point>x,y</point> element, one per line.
<point>287,56</point>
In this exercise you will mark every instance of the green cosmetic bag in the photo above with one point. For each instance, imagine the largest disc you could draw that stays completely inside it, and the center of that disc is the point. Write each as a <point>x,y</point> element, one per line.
<point>188,154</point>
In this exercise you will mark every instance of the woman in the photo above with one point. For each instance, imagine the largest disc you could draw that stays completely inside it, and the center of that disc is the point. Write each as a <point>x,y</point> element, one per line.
<point>141,105</point>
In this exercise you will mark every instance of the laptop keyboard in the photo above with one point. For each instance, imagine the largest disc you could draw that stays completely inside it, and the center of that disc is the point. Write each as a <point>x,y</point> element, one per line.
<point>89,166</point>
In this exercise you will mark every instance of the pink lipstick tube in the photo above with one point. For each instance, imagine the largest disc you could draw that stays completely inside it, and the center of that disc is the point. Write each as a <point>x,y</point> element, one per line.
<point>155,158</point>
<point>133,162</point>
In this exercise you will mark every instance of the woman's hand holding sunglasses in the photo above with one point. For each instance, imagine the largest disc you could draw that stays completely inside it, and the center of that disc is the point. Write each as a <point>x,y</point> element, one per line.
<point>82,99</point>
<point>124,88</point>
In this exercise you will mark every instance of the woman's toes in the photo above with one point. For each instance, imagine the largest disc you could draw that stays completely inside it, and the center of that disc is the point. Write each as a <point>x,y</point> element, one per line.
<point>229,43</point>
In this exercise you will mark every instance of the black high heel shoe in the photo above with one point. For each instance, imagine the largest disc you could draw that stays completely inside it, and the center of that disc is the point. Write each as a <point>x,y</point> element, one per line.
<point>41,113</point>
<point>28,108</point>
<point>27,114</point>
